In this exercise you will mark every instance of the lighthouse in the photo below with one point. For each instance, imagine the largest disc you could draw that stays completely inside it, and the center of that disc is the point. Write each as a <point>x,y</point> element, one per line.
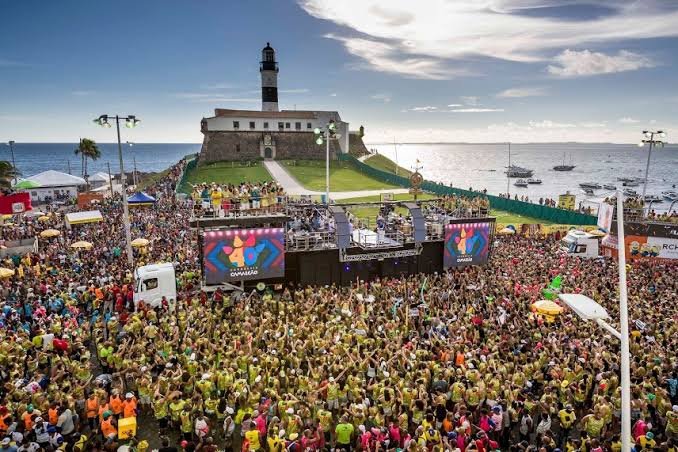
<point>269,79</point>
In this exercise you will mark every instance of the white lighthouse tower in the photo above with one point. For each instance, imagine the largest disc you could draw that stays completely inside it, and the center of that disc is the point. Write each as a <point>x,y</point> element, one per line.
<point>269,79</point>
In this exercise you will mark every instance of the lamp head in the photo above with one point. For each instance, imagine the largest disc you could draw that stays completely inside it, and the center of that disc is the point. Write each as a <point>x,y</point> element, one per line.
<point>316,131</point>
<point>319,140</point>
<point>132,122</point>
<point>641,144</point>
<point>662,134</point>
<point>102,121</point>
<point>647,133</point>
<point>332,125</point>
<point>10,142</point>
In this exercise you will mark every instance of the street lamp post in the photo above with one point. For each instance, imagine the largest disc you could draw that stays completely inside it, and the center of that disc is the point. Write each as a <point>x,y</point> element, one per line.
<point>11,150</point>
<point>652,142</point>
<point>590,310</point>
<point>327,133</point>
<point>134,160</point>
<point>131,121</point>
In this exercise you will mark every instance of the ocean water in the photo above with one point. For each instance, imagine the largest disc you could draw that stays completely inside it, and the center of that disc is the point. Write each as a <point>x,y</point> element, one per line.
<point>483,166</point>
<point>32,158</point>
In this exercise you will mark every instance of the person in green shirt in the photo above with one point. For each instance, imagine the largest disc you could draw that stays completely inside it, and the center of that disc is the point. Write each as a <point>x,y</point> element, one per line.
<point>344,432</point>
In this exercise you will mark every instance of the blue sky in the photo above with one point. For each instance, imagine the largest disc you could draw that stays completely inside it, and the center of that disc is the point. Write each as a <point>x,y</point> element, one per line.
<point>431,70</point>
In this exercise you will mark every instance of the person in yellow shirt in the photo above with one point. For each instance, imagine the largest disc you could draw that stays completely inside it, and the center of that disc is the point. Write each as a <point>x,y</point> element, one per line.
<point>252,437</point>
<point>567,419</point>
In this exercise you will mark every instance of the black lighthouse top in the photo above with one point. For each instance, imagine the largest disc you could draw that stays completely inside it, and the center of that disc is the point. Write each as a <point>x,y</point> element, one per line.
<point>268,62</point>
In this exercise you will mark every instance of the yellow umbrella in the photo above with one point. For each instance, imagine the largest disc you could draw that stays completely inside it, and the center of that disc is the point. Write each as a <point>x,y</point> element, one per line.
<point>6,272</point>
<point>6,216</point>
<point>598,233</point>
<point>506,231</point>
<point>82,245</point>
<point>47,233</point>
<point>139,243</point>
<point>43,218</point>
<point>547,307</point>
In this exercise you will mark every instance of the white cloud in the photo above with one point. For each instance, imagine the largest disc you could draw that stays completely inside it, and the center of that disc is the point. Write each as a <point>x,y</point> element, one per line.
<point>294,91</point>
<point>627,120</point>
<point>217,86</point>
<point>572,63</point>
<point>333,95</point>
<point>523,92</point>
<point>82,93</point>
<point>548,124</point>
<point>426,108</point>
<point>455,105</point>
<point>388,58</point>
<point>383,97</point>
<point>470,100</point>
<point>402,37</point>
<point>475,110</point>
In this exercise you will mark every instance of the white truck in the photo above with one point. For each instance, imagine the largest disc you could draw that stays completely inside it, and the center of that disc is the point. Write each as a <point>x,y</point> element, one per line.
<point>153,282</point>
<point>580,243</point>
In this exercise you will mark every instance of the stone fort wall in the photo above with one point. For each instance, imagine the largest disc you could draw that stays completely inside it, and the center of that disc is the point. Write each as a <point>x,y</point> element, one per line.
<point>244,146</point>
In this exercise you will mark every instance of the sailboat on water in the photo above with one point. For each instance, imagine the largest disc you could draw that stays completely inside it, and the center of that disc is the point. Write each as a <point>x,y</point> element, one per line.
<point>565,167</point>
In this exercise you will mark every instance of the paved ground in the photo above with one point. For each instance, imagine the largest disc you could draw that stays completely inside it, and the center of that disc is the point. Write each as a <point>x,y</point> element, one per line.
<point>293,187</point>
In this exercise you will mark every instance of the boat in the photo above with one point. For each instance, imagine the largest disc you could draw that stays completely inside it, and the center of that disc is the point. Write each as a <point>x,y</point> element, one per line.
<point>609,187</point>
<point>520,183</point>
<point>670,195</point>
<point>653,198</point>
<point>632,183</point>
<point>592,185</point>
<point>629,192</point>
<point>588,191</point>
<point>534,181</point>
<point>564,167</point>
<point>517,171</point>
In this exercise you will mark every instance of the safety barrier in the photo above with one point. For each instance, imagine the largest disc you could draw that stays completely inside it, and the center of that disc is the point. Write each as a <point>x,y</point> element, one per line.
<point>527,209</point>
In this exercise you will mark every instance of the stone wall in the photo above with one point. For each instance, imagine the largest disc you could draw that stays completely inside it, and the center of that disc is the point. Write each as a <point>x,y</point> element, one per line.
<point>220,146</point>
<point>356,147</point>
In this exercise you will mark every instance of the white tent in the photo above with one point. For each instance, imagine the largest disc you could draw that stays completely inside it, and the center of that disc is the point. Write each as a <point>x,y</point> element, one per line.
<point>99,179</point>
<point>51,178</point>
<point>54,185</point>
<point>88,216</point>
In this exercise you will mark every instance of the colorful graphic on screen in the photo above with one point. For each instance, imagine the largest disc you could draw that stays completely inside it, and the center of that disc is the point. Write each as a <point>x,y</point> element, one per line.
<point>243,254</point>
<point>466,244</point>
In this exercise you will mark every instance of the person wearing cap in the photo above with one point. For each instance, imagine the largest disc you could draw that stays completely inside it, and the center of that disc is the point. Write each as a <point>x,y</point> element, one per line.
<point>129,406</point>
<point>567,418</point>
<point>6,445</point>
<point>40,432</point>
<point>672,423</point>
<point>647,441</point>
<point>109,429</point>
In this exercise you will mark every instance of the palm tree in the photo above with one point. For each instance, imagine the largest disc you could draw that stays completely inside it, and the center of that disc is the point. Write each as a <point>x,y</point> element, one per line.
<point>87,149</point>
<point>7,174</point>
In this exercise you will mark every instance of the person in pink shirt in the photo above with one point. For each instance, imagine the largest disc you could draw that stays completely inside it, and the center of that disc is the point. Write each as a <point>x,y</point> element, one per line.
<point>260,421</point>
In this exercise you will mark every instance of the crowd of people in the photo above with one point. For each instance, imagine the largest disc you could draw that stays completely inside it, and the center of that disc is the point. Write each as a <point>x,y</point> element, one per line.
<point>448,362</point>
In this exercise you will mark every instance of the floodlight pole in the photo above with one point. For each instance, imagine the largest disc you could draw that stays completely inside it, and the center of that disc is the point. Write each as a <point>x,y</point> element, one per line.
<point>11,149</point>
<point>624,330</point>
<point>327,168</point>
<point>125,207</point>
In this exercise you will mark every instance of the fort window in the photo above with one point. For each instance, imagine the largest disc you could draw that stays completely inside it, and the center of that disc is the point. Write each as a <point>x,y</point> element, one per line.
<point>281,125</point>
<point>265,125</point>
<point>297,125</point>
<point>287,125</point>
<point>237,147</point>
<point>309,125</point>
<point>251,124</point>
<point>236,124</point>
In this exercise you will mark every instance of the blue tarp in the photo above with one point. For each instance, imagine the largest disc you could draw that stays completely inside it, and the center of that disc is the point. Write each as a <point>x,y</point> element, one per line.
<point>141,198</point>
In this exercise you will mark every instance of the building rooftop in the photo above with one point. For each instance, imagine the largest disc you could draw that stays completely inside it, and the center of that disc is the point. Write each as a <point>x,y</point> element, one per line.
<point>284,114</point>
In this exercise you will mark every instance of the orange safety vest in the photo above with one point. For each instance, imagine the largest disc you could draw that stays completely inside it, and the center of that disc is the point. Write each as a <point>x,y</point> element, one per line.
<point>129,408</point>
<point>102,409</point>
<point>28,422</point>
<point>116,405</point>
<point>108,429</point>
<point>92,408</point>
<point>3,424</point>
<point>52,416</point>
